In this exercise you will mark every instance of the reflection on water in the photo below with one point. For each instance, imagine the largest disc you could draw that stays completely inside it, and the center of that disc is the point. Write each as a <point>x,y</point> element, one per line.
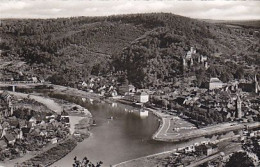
<point>114,104</point>
<point>142,113</point>
<point>126,136</point>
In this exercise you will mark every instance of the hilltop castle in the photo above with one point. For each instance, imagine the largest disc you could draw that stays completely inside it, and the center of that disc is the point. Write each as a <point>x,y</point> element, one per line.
<point>191,56</point>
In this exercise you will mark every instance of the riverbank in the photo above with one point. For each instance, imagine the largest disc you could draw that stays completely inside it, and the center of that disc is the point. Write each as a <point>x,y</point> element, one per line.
<point>162,135</point>
<point>174,129</point>
<point>207,131</point>
<point>80,117</point>
<point>170,125</point>
<point>52,155</point>
<point>45,101</point>
<point>80,122</point>
<point>74,92</point>
<point>150,160</point>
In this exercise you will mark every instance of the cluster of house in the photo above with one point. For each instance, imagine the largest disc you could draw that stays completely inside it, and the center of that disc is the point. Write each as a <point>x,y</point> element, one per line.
<point>6,105</point>
<point>127,91</point>
<point>236,90</point>
<point>208,148</point>
<point>32,134</point>
<point>216,83</point>
<point>230,100</point>
<point>186,155</point>
<point>203,149</point>
<point>131,93</point>
<point>192,56</point>
<point>24,79</point>
<point>95,85</point>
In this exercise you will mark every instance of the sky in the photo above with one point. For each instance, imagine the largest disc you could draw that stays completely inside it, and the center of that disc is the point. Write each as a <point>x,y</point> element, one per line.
<point>207,9</point>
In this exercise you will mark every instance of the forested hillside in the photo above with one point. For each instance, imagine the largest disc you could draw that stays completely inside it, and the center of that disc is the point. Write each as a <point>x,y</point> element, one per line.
<point>148,47</point>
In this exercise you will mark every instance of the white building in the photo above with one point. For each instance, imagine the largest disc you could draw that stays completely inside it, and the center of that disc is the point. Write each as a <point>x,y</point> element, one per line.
<point>215,83</point>
<point>34,79</point>
<point>84,84</point>
<point>203,58</point>
<point>142,97</point>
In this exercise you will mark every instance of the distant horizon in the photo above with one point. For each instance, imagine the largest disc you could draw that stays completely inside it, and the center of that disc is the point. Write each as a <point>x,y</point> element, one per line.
<point>128,14</point>
<point>208,10</point>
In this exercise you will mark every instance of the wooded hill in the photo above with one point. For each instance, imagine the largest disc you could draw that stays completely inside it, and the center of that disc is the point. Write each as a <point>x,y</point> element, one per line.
<point>149,47</point>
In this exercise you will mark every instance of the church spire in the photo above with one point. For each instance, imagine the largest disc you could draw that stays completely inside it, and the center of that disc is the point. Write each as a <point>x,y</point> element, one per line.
<point>238,106</point>
<point>256,85</point>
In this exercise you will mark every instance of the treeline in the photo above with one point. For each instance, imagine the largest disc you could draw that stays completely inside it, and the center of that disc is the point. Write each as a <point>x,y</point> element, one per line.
<point>81,46</point>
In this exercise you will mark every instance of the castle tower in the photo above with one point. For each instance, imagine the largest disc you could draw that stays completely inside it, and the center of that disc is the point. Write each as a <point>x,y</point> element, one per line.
<point>238,107</point>
<point>191,49</point>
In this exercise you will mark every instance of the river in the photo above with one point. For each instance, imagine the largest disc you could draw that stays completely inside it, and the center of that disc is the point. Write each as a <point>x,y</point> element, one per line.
<point>126,136</point>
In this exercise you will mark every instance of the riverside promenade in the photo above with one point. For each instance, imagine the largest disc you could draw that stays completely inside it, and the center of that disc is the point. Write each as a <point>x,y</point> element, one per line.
<point>167,121</point>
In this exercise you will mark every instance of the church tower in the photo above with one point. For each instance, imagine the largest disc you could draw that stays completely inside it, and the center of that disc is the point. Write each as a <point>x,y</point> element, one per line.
<point>256,85</point>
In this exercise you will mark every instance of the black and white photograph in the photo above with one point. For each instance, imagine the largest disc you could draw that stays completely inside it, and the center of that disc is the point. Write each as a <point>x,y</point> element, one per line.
<point>129,83</point>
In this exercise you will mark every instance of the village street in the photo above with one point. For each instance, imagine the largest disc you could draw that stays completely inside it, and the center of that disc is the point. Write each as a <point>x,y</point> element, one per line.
<point>47,102</point>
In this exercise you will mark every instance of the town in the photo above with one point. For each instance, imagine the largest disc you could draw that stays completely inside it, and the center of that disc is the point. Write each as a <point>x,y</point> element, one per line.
<point>85,84</point>
<point>27,125</point>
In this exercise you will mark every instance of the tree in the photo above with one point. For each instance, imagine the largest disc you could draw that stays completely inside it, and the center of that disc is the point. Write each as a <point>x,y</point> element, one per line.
<point>239,159</point>
<point>239,73</point>
<point>57,79</point>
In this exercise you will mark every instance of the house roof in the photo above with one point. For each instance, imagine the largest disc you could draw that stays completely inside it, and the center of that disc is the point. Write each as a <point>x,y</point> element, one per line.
<point>65,119</point>
<point>142,93</point>
<point>2,143</point>
<point>35,132</point>
<point>5,124</point>
<point>64,113</point>
<point>215,80</point>
<point>13,122</point>
<point>22,123</point>
<point>32,118</point>
<point>9,137</point>
<point>16,131</point>
<point>131,86</point>
<point>26,130</point>
<point>5,95</point>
